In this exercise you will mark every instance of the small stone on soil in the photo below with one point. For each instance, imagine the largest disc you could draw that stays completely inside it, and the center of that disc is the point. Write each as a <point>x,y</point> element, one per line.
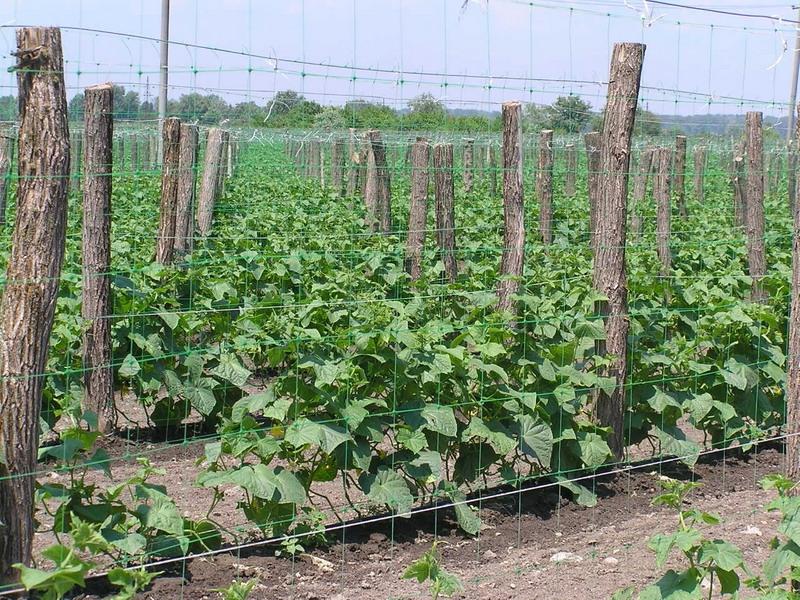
<point>565,557</point>
<point>488,555</point>
<point>752,531</point>
<point>610,560</point>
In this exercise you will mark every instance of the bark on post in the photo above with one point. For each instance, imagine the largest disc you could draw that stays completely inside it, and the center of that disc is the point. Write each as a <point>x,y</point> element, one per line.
<point>184,206</point>
<point>145,153</point>
<point>135,154</point>
<point>513,260</point>
<point>791,174</point>
<point>679,177</point>
<point>793,351</point>
<point>377,194</point>
<point>32,276</point>
<point>469,147</point>
<point>593,142</point>
<point>208,188</point>
<point>662,157</point>
<point>572,170</point>
<point>418,212</point>
<point>98,379</point>
<point>165,245</point>
<point>221,166</point>
<point>6,149</point>
<point>544,186</point>
<point>314,160</point>
<point>609,261</point>
<point>754,218</point>
<point>491,159</point>
<point>445,218</point>
<point>337,165</point>
<point>646,161</point>
<point>353,164</point>
<point>699,173</point>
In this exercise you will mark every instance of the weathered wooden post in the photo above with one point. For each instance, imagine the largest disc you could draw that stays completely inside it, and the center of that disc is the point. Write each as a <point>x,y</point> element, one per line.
<point>145,153</point>
<point>544,186</point>
<point>135,154</point>
<point>98,379</point>
<point>793,350</point>
<point>165,245</point>
<point>572,170</point>
<point>187,176</point>
<point>418,212</point>
<point>469,147</point>
<point>337,165</point>
<point>609,260</point>
<point>513,260</point>
<point>32,278</point>
<point>699,173</point>
<point>679,177</point>
<point>662,157</point>
<point>377,193</point>
<point>445,218</point>
<point>208,188</point>
<point>593,142</point>
<point>754,218</point>
<point>314,161</point>
<point>791,174</point>
<point>640,190</point>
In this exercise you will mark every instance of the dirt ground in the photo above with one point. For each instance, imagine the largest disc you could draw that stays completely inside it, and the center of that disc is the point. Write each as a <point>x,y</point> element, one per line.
<point>513,555</point>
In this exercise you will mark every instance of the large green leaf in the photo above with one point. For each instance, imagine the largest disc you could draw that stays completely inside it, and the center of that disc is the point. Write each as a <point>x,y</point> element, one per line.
<point>389,488</point>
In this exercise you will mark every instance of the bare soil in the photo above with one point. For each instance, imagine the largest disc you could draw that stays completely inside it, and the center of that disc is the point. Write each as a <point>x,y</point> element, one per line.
<point>511,558</point>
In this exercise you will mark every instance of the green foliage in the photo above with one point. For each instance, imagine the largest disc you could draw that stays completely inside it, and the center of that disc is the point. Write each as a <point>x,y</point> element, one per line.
<point>237,590</point>
<point>428,568</point>
<point>568,114</point>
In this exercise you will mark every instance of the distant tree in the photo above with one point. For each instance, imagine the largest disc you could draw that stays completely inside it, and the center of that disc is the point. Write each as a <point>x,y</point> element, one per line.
<point>329,118</point>
<point>283,102</point>
<point>647,123</point>
<point>75,107</point>
<point>205,108</point>
<point>126,103</point>
<point>247,113</point>
<point>425,112</point>
<point>568,114</point>
<point>534,118</point>
<point>362,114</point>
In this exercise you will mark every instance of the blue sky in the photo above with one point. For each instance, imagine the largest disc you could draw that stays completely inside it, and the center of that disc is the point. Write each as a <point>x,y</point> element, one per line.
<point>476,57</point>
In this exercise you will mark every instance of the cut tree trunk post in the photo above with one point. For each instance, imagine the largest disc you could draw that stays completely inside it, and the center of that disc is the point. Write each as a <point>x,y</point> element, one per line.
<point>445,217</point>
<point>491,159</point>
<point>6,150</point>
<point>145,153</point>
<point>512,262</point>
<point>646,161</point>
<point>221,167</point>
<point>418,212</point>
<point>544,186</point>
<point>165,245</point>
<point>314,160</point>
<point>98,379</point>
<point>208,188</point>
<point>662,157</point>
<point>793,351</point>
<point>679,177</point>
<point>337,165</point>
<point>572,170</point>
<point>229,157</point>
<point>187,176</point>
<point>739,192</point>
<point>754,217</point>
<point>32,277</point>
<point>469,148</point>
<point>377,191</point>
<point>593,142</point>
<point>609,261</point>
<point>699,173</point>
<point>352,164</point>
<point>791,174</point>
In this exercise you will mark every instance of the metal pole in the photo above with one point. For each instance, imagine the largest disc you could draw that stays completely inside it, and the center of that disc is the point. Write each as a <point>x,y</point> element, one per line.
<point>793,89</point>
<point>164,77</point>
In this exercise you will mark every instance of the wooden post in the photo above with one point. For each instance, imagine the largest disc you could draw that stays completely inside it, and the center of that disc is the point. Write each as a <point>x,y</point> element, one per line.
<point>418,212</point>
<point>353,164</point>
<point>165,245</point>
<point>699,173</point>
<point>491,159</point>
<point>791,174</point>
<point>208,188</point>
<point>469,147</point>
<point>6,149</point>
<point>593,142</point>
<point>145,153</point>
<point>135,154</point>
<point>512,262</point>
<point>32,278</point>
<point>445,218</point>
<point>793,350</point>
<point>754,218</point>
<point>98,379</point>
<point>572,170</point>
<point>609,261</point>
<point>640,189</point>
<point>314,161</point>
<point>377,192</point>
<point>222,166</point>
<point>544,186</point>
<point>187,176</point>
<point>337,165</point>
<point>662,157</point>
<point>679,177</point>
